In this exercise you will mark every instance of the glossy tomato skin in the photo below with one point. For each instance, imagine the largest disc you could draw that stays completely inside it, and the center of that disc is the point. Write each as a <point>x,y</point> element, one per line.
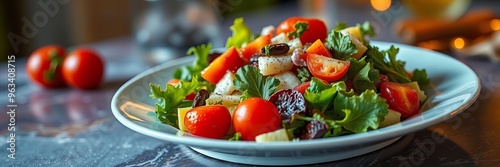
<point>83,69</point>
<point>208,121</point>
<point>326,68</point>
<point>228,61</point>
<point>39,63</point>
<point>303,87</point>
<point>400,98</point>
<point>317,28</point>
<point>255,116</point>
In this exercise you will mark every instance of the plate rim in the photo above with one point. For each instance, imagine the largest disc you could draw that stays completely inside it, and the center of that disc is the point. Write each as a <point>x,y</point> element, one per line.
<point>347,140</point>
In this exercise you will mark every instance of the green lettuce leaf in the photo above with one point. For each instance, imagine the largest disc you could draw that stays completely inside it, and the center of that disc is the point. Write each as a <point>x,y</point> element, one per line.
<point>340,44</point>
<point>171,98</point>
<point>201,52</point>
<point>253,84</point>
<point>361,112</point>
<point>421,77</point>
<point>242,34</point>
<point>346,112</point>
<point>319,95</point>
<point>362,74</point>
<point>367,29</point>
<point>340,26</point>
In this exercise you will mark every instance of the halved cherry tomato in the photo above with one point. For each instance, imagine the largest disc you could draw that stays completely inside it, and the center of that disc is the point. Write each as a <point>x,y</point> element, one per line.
<point>44,66</point>
<point>83,68</point>
<point>303,87</point>
<point>317,29</point>
<point>400,98</point>
<point>208,121</point>
<point>175,82</point>
<point>326,68</point>
<point>317,48</point>
<point>229,60</point>
<point>254,47</point>
<point>255,116</point>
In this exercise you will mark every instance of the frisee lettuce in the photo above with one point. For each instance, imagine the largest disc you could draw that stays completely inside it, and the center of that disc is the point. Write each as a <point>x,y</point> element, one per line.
<point>386,63</point>
<point>171,98</point>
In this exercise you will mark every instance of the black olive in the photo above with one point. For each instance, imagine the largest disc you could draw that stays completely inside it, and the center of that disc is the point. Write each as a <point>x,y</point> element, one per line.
<point>199,99</point>
<point>275,49</point>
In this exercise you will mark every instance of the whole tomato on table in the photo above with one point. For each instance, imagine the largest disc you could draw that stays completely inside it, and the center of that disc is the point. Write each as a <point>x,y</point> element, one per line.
<point>83,68</point>
<point>44,66</point>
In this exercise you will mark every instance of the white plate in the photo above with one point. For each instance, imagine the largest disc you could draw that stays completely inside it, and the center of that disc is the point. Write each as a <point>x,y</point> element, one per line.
<point>456,87</point>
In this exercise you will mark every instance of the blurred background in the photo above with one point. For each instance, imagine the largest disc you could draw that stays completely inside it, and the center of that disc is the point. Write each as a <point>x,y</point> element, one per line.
<point>115,27</point>
<point>27,24</point>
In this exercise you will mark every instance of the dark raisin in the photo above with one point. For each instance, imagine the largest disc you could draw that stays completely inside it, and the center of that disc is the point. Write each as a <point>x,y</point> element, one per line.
<point>199,99</point>
<point>314,129</point>
<point>275,49</point>
<point>289,102</point>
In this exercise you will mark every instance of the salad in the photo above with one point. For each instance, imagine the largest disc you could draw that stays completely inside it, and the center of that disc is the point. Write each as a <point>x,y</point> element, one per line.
<point>296,81</point>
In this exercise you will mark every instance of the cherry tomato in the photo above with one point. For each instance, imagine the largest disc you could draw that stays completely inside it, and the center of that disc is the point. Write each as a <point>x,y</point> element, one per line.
<point>303,87</point>
<point>44,66</point>
<point>208,121</point>
<point>400,98</point>
<point>254,47</point>
<point>229,60</point>
<point>317,29</point>
<point>326,68</point>
<point>175,82</point>
<point>83,68</point>
<point>255,116</point>
<point>317,48</point>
